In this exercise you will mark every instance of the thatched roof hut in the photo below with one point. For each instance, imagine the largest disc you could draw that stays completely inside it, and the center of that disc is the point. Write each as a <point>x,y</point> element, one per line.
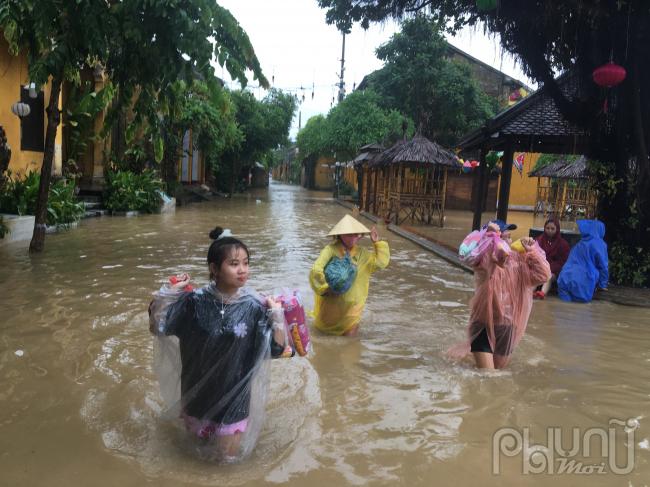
<point>574,170</point>
<point>367,154</point>
<point>567,193</point>
<point>407,181</point>
<point>372,148</point>
<point>563,169</point>
<point>418,150</point>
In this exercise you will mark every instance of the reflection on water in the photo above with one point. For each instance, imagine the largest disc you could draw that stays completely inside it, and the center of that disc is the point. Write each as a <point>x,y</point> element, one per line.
<point>80,406</point>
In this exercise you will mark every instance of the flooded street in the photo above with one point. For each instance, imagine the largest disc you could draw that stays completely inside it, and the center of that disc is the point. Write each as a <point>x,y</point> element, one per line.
<point>79,402</point>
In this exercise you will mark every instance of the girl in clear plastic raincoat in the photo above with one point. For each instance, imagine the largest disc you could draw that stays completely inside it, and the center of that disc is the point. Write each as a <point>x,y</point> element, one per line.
<point>340,277</point>
<point>503,297</point>
<point>212,350</point>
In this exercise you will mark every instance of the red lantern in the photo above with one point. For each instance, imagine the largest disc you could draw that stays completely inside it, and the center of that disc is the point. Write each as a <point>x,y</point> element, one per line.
<point>609,75</point>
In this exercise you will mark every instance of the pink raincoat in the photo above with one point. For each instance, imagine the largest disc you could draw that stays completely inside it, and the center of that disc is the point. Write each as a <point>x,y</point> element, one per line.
<point>503,298</point>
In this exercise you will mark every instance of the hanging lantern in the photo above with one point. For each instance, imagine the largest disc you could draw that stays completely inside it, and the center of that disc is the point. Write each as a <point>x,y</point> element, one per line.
<point>609,75</point>
<point>20,109</point>
<point>484,5</point>
<point>491,159</point>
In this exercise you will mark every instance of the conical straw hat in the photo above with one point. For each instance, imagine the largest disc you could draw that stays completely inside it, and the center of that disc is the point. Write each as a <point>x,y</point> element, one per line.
<point>347,225</point>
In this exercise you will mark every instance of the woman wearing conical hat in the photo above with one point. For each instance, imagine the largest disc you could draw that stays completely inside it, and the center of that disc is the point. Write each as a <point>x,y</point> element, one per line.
<point>340,277</point>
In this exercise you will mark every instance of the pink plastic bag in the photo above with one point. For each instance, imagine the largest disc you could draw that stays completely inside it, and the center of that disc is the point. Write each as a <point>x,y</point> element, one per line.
<point>294,314</point>
<point>479,243</point>
<point>468,245</point>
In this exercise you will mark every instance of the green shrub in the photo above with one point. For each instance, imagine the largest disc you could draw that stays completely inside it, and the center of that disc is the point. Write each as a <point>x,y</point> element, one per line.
<point>62,205</point>
<point>346,189</point>
<point>629,266</point>
<point>19,195</point>
<point>127,191</point>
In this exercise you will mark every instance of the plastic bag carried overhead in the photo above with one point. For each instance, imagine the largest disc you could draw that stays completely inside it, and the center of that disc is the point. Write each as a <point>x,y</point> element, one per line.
<point>480,243</point>
<point>212,362</point>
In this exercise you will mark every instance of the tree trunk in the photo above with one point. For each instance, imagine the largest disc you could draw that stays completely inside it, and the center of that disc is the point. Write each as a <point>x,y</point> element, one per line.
<point>233,177</point>
<point>641,149</point>
<point>5,156</point>
<point>168,165</point>
<point>53,118</point>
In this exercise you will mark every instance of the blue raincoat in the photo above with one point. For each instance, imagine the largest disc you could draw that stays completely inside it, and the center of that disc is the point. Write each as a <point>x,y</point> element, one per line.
<point>587,266</point>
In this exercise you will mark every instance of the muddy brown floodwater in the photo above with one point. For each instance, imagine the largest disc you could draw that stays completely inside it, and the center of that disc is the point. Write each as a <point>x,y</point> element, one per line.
<point>79,404</point>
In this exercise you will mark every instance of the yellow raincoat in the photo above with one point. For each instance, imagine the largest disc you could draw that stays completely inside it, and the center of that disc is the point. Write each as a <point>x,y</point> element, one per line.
<point>336,314</point>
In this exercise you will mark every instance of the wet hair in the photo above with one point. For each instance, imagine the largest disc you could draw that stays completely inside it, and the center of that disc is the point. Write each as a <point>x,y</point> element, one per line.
<point>222,248</point>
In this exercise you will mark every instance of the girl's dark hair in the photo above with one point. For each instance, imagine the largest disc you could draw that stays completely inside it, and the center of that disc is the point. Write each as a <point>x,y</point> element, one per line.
<point>222,247</point>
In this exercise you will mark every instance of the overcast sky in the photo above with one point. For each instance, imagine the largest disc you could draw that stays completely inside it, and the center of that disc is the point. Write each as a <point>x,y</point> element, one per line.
<point>297,48</point>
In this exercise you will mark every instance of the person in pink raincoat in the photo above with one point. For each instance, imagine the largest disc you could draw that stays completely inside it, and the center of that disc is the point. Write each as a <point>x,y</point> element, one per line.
<point>503,299</point>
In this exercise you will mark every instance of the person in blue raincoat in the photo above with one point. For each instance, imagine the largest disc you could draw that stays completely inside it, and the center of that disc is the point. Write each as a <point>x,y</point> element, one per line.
<point>587,266</point>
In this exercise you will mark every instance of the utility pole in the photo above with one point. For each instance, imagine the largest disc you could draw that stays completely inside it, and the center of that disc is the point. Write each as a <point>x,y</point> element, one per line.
<point>341,81</point>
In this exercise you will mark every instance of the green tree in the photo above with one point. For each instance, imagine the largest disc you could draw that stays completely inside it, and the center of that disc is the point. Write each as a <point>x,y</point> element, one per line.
<point>208,111</point>
<point>311,138</point>
<point>550,37</point>
<point>312,143</point>
<point>211,114</point>
<point>264,126</point>
<point>439,94</point>
<point>144,45</point>
<point>359,120</point>
<point>356,121</point>
<point>82,105</point>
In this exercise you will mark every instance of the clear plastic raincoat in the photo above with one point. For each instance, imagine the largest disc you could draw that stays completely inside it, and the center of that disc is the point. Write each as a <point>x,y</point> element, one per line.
<point>503,299</point>
<point>336,314</point>
<point>211,358</point>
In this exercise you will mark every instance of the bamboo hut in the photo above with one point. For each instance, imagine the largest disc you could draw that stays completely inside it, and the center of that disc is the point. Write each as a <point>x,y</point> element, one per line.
<point>566,190</point>
<point>411,181</point>
<point>366,176</point>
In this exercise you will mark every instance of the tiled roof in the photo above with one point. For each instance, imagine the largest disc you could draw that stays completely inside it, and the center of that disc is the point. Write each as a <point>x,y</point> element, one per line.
<point>541,116</point>
<point>536,116</point>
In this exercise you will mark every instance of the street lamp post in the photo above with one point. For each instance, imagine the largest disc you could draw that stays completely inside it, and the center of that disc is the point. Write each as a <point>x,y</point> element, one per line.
<point>337,178</point>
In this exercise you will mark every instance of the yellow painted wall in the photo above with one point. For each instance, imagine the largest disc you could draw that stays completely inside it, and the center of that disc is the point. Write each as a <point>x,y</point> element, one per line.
<point>13,75</point>
<point>191,178</point>
<point>350,177</point>
<point>523,189</point>
<point>324,173</point>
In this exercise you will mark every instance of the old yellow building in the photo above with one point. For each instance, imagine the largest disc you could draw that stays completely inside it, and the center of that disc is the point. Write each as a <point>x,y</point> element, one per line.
<point>523,189</point>
<point>318,173</point>
<point>25,136</point>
